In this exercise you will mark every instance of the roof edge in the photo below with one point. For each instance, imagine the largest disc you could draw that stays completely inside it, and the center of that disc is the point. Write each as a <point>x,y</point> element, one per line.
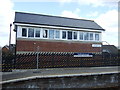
<point>60,26</point>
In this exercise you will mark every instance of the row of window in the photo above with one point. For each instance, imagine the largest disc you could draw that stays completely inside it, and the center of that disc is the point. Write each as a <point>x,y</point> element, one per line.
<point>59,34</point>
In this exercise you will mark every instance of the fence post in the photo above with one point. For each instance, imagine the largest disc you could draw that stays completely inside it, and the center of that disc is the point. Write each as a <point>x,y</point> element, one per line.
<point>37,56</point>
<point>68,60</point>
<point>53,62</point>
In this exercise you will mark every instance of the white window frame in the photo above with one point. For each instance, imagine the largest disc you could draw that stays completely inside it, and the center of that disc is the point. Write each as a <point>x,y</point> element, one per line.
<point>66,34</point>
<point>47,33</point>
<point>98,38</point>
<point>35,29</point>
<point>79,36</point>
<point>59,34</point>
<point>73,35</point>
<point>84,36</point>
<point>26,32</point>
<point>89,36</point>
<point>53,34</point>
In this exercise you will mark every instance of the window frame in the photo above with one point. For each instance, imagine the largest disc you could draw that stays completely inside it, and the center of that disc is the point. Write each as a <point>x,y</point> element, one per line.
<point>36,31</point>
<point>33,32</point>
<point>98,37</point>
<point>53,33</point>
<point>76,34</point>
<point>82,35</point>
<point>56,34</point>
<point>62,34</point>
<point>22,32</point>
<point>47,33</point>
<point>86,33</point>
<point>71,35</point>
<point>90,36</point>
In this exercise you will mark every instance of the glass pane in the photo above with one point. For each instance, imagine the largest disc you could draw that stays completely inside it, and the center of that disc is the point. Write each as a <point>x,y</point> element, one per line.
<point>51,34</point>
<point>45,33</point>
<point>24,32</point>
<point>57,34</point>
<point>31,32</point>
<point>81,35</point>
<point>75,35</point>
<point>37,33</point>
<point>63,34</point>
<point>86,36</point>
<point>91,36</point>
<point>69,34</point>
<point>96,36</point>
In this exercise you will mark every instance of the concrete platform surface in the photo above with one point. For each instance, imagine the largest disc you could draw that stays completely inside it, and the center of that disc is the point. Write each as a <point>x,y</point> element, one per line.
<point>19,75</point>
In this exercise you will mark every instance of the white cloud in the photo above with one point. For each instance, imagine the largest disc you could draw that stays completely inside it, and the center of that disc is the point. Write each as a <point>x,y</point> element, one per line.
<point>94,3</point>
<point>91,2</point>
<point>92,15</point>
<point>6,17</point>
<point>108,17</point>
<point>108,21</point>
<point>61,1</point>
<point>71,14</point>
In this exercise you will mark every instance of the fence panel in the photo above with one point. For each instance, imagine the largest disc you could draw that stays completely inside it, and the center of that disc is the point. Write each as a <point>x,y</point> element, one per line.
<point>56,60</point>
<point>7,62</point>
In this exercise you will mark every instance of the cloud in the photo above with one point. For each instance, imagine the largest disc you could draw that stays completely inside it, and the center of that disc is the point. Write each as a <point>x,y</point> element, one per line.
<point>91,2</point>
<point>108,21</point>
<point>94,3</point>
<point>42,1</point>
<point>92,15</point>
<point>6,17</point>
<point>71,14</point>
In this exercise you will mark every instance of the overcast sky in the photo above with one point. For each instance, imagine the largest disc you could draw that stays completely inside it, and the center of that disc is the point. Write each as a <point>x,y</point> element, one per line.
<point>103,12</point>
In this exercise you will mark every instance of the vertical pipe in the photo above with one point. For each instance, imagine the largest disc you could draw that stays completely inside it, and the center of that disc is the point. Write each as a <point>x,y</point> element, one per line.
<point>10,36</point>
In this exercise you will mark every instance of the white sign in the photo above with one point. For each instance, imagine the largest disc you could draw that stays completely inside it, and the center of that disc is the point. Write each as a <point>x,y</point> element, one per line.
<point>96,45</point>
<point>83,55</point>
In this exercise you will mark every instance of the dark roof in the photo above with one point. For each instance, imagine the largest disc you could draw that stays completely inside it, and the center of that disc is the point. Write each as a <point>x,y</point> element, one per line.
<point>39,19</point>
<point>111,48</point>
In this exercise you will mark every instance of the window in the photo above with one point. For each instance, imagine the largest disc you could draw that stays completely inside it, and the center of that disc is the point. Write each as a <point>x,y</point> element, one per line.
<point>86,36</point>
<point>57,34</point>
<point>24,32</point>
<point>63,34</point>
<point>45,33</point>
<point>37,33</point>
<point>91,36</point>
<point>70,35</point>
<point>97,36</point>
<point>81,35</point>
<point>30,32</point>
<point>51,34</point>
<point>75,35</point>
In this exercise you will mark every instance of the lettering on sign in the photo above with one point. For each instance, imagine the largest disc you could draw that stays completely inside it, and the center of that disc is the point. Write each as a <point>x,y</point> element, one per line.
<point>96,45</point>
<point>83,55</point>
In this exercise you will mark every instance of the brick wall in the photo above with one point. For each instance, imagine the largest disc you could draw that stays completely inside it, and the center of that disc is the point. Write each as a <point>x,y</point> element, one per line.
<point>50,46</point>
